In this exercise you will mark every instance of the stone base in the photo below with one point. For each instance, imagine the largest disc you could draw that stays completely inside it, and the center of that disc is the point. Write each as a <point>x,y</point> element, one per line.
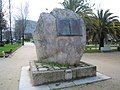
<point>41,75</point>
<point>25,81</point>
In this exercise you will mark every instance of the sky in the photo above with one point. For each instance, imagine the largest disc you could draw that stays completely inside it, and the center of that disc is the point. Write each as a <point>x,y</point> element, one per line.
<point>38,6</point>
<point>113,5</point>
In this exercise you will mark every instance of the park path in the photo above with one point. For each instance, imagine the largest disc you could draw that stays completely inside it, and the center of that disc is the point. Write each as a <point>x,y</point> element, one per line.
<point>107,63</point>
<point>10,67</point>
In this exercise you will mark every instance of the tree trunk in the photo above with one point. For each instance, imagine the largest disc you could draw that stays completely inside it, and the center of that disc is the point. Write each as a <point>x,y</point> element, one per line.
<point>0,36</point>
<point>22,40</point>
<point>101,43</point>
<point>0,22</point>
<point>23,37</point>
<point>11,39</point>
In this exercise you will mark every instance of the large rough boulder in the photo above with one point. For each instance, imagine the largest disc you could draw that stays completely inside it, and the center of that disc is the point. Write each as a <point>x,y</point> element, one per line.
<point>56,39</point>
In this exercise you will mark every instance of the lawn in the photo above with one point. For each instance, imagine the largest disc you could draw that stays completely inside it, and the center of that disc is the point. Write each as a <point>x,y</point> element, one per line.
<point>7,48</point>
<point>95,48</point>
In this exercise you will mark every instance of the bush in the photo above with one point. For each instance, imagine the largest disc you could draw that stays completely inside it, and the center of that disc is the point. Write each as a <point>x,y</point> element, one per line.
<point>2,44</point>
<point>7,41</point>
<point>118,48</point>
<point>27,40</point>
<point>1,54</point>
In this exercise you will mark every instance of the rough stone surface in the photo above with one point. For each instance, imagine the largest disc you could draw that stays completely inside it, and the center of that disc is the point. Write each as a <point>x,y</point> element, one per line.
<point>39,77</point>
<point>47,77</point>
<point>52,47</point>
<point>68,74</point>
<point>25,83</point>
<point>85,71</point>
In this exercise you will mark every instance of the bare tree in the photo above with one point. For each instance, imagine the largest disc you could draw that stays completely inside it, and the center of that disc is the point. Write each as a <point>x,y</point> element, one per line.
<point>18,30</point>
<point>22,20</point>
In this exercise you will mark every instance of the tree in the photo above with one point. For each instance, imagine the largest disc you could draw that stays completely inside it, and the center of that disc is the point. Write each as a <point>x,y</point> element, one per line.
<point>22,20</point>
<point>115,30</point>
<point>18,30</point>
<point>1,17</point>
<point>83,8</point>
<point>10,22</point>
<point>3,23</point>
<point>101,23</point>
<point>78,6</point>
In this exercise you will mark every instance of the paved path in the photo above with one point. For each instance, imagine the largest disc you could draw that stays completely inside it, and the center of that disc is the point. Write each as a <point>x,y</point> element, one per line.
<point>10,68</point>
<point>107,63</point>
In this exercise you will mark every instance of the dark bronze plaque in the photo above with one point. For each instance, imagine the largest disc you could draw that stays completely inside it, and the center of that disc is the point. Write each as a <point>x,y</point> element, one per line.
<point>63,27</point>
<point>75,27</point>
<point>69,27</point>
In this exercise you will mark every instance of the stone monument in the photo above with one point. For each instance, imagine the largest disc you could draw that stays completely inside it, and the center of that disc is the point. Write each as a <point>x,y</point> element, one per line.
<point>60,36</point>
<point>60,39</point>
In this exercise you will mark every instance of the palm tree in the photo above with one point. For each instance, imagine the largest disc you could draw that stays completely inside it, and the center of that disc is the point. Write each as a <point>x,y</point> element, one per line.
<point>115,29</point>
<point>78,6</point>
<point>83,8</point>
<point>102,23</point>
<point>91,30</point>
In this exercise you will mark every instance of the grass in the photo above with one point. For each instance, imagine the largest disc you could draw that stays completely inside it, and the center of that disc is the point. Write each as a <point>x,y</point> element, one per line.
<point>52,64</point>
<point>7,48</point>
<point>95,49</point>
<point>92,51</point>
<point>91,48</point>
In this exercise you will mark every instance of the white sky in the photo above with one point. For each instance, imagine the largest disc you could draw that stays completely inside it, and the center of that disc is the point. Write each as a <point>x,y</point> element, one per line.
<point>113,5</point>
<point>38,6</point>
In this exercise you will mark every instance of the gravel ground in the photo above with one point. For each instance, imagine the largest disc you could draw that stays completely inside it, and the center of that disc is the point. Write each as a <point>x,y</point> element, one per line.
<point>107,63</point>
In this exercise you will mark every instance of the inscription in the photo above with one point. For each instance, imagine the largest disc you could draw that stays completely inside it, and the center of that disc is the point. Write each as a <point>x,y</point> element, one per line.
<point>69,27</point>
